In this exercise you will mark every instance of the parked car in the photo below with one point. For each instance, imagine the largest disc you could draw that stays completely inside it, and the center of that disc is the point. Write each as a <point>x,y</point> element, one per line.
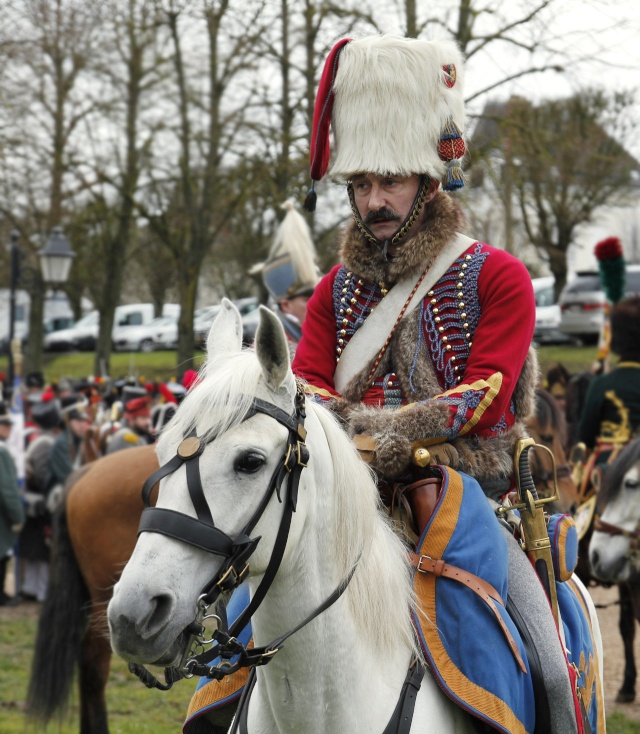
<point>547,312</point>
<point>127,318</point>
<point>161,333</point>
<point>582,303</point>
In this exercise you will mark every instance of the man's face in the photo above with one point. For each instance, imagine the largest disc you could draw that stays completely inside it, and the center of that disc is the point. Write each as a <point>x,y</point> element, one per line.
<point>296,306</point>
<point>79,426</point>
<point>384,202</point>
<point>141,423</point>
<point>5,431</point>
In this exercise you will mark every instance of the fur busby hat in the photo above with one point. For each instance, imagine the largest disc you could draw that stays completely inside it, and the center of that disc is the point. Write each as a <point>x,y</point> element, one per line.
<point>625,329</point>
<point>395,106</point>
<point>291,268</point>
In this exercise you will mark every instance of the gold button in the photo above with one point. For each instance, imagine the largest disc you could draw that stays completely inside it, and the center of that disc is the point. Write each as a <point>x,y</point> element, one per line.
<point>354,301</point>
<point>441,329</point>
<point>342,312</point>
<point>464,266</point>
<point>459,378</point>
<point>456,368</point>
<point>343,332</point>
<point>389,384</point>
<point>467,336</point>
<point>448,347</point>
<point>430,293</point>
<point>463,315</point>
<point>339,350</point>
<point>344,290</point>
<point>341,342</point>
<point>189,447</point>
<point>358,291</point>
<point>461,304</point>
<point>359,281</point>
<point>460,294</point>
<point>444,338</point>
<point>437,319</point>
<point>345,322</point>
<point>461,274</point>
<point>435,310</point>
<point>349,311</point>
<point>467,257</point>
<point>434,300</point>
<point>347,281</point>
<point>343,300</point>
<point>453,358</point>
<point>465,326</point>
<point>349,273</point>
<point>470,345</point>
<point>459,285</point>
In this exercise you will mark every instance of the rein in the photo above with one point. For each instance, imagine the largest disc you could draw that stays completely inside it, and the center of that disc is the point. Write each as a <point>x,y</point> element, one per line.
<point>633,553</point>
<point>202,533</point>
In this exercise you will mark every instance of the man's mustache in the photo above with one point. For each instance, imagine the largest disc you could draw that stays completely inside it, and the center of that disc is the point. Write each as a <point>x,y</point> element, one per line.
<point>382,215</point>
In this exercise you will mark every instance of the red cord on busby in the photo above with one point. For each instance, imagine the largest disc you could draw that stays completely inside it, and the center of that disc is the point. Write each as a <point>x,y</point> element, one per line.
<point>320,148</point>
<point>611,264</point>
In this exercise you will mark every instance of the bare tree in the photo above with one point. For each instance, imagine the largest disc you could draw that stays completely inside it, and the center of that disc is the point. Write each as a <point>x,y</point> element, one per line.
<point>50,44</point>
<point>566,159</point>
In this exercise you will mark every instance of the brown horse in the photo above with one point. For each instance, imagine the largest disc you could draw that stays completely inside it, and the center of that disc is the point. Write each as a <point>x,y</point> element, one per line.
<point>548,428</point>
<point>94,535</point>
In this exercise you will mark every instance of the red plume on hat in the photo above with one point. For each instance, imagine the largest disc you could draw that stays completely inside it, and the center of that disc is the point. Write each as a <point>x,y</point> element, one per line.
<point>611,265</point>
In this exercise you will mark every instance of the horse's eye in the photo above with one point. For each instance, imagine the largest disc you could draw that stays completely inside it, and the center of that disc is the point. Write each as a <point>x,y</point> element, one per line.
<point>249,462</point>
<point>631,483</point>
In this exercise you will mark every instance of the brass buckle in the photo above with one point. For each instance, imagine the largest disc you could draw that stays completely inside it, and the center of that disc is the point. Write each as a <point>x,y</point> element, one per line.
<point>221,583</point>
<point>299,446</point>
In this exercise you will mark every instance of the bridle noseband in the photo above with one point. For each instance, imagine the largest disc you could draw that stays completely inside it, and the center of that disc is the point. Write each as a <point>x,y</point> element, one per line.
<point>202,533</point>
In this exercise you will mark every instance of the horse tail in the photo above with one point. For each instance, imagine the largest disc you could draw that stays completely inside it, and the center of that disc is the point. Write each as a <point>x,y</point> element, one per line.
<point>61,628</point>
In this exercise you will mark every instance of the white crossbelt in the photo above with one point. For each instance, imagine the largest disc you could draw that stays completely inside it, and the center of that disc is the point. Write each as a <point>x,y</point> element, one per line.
<point>369,339</point>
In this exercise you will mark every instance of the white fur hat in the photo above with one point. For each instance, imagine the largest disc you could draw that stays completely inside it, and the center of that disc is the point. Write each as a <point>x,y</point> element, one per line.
<point>395,106</point>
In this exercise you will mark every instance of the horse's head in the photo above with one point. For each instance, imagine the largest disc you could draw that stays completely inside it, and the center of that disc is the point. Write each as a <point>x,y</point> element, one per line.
<point>613,550</point>
<point>230,452</point>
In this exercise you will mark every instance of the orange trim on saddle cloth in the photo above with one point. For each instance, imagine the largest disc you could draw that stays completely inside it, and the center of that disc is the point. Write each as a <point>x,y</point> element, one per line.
<point>590,668</point>
<point>424,584</point>
<point>492,385</point>
<point>215,691</point>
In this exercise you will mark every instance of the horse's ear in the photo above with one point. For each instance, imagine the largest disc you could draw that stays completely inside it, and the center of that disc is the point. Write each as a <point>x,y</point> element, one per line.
<point>272,349</point>
<point>225,334</point>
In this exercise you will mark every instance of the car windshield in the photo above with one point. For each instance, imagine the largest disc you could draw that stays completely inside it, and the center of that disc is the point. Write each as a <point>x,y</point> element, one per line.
<point>585,283</point>
<point>89,320</point>
<point>544,297</point>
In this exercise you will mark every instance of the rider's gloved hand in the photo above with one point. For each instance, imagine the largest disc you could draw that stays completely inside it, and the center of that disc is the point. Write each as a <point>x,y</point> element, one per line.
<point>394,432</point>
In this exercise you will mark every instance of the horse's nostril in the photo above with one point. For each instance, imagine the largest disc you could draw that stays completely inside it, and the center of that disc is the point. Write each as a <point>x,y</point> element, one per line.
<point>594,558</point>
<point>159,614</point>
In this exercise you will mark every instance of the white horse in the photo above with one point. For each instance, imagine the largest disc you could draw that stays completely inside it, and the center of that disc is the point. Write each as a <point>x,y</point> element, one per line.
<point>613,550</point>
<point>344,671</point>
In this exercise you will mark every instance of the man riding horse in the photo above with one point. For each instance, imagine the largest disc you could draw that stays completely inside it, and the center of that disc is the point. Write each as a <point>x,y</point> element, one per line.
<point>420,338</point>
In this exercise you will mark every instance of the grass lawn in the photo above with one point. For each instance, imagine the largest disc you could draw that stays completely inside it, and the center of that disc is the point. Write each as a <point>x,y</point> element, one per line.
<point>162,365</point>
<point>133,709</point>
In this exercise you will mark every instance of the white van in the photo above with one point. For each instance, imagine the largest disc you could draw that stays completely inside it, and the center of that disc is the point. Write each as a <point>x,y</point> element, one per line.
<point>126,334</point>
<point>84,334</point>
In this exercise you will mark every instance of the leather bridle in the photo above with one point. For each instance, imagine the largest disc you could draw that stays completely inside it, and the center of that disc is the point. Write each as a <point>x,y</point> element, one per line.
<point>202,533</point>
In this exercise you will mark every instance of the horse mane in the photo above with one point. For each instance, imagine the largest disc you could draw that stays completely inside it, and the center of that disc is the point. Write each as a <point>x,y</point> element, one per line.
<point>380,592</point>
<point>614,473</point>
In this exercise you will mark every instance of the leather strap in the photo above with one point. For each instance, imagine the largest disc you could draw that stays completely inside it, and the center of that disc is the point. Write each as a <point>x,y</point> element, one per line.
<point>369,339</point>
<point>436,566</point>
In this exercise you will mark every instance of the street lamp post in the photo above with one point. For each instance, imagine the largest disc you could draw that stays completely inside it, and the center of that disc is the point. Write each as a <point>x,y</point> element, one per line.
<point>55,258</point>
<point>14,269</point>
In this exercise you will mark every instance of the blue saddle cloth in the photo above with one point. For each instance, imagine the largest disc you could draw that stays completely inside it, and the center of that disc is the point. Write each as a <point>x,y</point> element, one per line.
<point>463,643</point>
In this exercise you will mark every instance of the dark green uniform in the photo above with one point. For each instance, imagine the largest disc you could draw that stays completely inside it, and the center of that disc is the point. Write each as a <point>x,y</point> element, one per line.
<point>611,411</point>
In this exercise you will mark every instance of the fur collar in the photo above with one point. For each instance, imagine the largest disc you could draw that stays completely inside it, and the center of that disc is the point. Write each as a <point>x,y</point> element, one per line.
<point>441,220</point>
